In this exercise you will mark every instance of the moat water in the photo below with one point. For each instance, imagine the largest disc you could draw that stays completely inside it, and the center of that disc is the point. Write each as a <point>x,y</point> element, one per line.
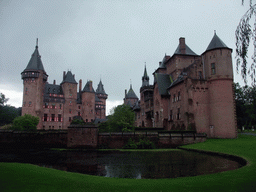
<point>139,165</point>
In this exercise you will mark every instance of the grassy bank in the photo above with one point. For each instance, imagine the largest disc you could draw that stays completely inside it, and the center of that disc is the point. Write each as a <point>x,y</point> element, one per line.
<point>24,177</point>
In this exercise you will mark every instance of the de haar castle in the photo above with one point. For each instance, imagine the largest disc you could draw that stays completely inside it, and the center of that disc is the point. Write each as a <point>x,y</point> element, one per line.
<point>190,92</point>
<point>56,105</point>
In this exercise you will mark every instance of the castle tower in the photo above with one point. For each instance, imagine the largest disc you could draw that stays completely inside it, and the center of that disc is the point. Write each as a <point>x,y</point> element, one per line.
<point>218,71</point>
<point>130,98</point>
<point>88,102</point>
<point>34,79</point>
<point>100,100</point>
<point>146,102</point>
<point>69,88</point>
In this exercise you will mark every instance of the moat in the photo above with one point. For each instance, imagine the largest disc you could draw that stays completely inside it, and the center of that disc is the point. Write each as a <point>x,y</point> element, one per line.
<point>139,165</point>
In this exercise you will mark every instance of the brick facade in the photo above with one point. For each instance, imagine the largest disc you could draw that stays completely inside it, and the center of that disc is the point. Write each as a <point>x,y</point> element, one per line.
<point>193,92</point>
<point>56,105</point>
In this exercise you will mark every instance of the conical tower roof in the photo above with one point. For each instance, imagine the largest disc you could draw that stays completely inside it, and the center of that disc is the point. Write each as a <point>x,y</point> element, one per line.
<point>145,78</point>
<point>100,89</point>
<point>131,94</point>
<point>35,62</point>
<point>69,78</point>
<point>88,87</point>
<point>215,43</point>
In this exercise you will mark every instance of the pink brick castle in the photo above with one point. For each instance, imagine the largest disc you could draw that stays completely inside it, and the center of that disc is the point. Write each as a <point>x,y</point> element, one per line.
<point>190,92</point>
<point>56,105</point>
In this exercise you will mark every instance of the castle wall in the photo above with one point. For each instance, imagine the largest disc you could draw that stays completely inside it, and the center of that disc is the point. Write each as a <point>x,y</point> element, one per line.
<point>222,111</point>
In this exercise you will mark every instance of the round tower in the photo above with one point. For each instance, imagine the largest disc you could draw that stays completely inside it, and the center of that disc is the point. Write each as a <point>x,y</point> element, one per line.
<point>34,78</point>
<point>218,71</point>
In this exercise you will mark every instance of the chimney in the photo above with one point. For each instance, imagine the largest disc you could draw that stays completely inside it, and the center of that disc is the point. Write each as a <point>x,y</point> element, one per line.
<point>125,92</point>
<point>54,82</point>
<point>90,85</point>
<point>182,45</point>
<point>64,74</point>
<point>160,63</point>
<point>74,76</point>
<point>80,85</point>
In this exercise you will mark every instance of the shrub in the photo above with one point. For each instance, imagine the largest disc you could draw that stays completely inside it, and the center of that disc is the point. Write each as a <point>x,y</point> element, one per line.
<point>130,145</point>
<point>25,123</point>
<point>142,144</point>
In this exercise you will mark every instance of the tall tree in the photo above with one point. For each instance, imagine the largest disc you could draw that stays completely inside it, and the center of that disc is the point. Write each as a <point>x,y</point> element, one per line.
<point>121,119</point>
<point>245,33</point>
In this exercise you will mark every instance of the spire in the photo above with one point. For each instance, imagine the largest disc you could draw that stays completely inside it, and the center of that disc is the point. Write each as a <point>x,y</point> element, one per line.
<point>100,89</point>
<point>145,78</point>
<point>131,94</point>
<point>35,62</point>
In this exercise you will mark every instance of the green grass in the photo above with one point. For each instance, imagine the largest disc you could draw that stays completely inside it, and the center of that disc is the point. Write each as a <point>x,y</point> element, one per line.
<point>25,177</point>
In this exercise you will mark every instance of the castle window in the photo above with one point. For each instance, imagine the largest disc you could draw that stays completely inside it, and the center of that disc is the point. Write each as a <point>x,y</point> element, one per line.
<point>174,98</point>
<point>45,117</point>
<point>26,91</point>
<point>69,119</point>
<point>79,114</point>
<point>171,116</point>
<point>200,74</point>
<point>53,106</point>
<point>213,70</point>
<point>70,111</point>
<point>79,107</point>
<point>178,114</point>
<point>24,103</point>
<point>70,102</point>
<point>33,80</point>
<point>60,106</point>
<point>53,117</point>
<point>178,96</point>
<point>59,117</point>
<point>46,105</point>
<point>30,103</point>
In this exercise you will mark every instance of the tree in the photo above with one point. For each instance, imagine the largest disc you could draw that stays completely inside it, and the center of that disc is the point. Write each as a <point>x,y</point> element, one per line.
<point>244,35</point>
<point>25,123</point>
<point>122,119</point>
<point>3,100</point>
<point>7,113</point>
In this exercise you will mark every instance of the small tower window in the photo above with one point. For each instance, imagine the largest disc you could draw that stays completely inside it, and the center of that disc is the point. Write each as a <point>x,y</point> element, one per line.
<point>213,69</point>
<point>30,103</point>
<point>53,117</point>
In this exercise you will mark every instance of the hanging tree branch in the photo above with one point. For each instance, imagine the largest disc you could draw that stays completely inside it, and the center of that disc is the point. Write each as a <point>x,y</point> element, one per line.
<point>244,34</point>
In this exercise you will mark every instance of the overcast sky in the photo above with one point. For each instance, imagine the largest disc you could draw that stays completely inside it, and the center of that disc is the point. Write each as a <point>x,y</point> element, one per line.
<point>108,40</point>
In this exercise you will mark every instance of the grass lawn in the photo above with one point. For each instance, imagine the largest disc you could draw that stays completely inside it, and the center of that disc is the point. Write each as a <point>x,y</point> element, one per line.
<point>25,177</point>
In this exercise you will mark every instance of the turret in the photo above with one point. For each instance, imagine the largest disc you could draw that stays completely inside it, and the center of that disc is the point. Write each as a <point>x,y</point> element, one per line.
<point>217,60</point>
<point>69,87</point>
<point>100,100</point>
<point>88,102</point>
<point>145,78</point>
<point>217,65</point>
<point>130,97</point>
<point>34,79</point>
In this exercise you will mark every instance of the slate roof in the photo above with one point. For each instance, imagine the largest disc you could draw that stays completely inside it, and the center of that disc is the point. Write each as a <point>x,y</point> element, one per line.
<point>100,89</point>
<point>215,43</point>
<point>137,106</point>
<point>188,51</point>
<point>162,65</point>
<point>69,78</point>
<point>87,87</point>
<point>131,94</point>
<point>97,99</point>
<point>35,62</point>
<point>163,81</point>
<point>145,78</point>
<point>53,89</point>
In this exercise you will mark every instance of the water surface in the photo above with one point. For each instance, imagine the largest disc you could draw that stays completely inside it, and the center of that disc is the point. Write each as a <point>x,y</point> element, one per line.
<point>139,165</point>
